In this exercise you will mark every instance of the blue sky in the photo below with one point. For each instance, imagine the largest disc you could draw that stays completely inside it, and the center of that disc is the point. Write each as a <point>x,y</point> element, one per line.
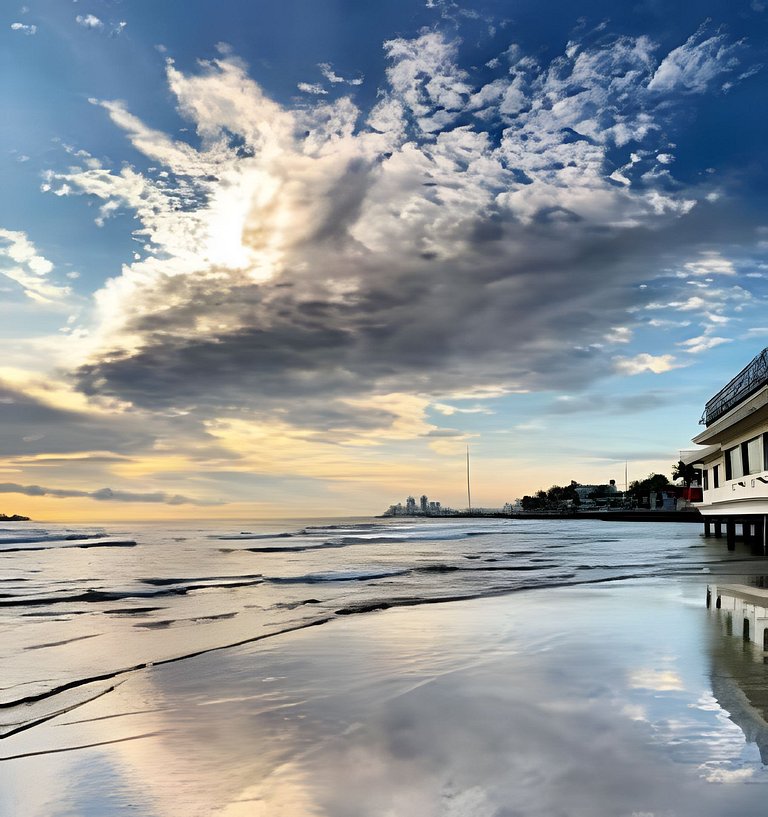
<point>259,257</point>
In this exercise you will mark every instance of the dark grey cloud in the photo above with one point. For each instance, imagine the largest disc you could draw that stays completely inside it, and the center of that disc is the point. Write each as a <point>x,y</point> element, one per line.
<point>101,494</point>
<point>536,319</point>
<point>597,403</point>
<point>29,426</point>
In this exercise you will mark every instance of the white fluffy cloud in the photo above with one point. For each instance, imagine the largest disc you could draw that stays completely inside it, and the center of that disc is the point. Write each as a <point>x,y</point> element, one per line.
<point>326,69</point>
<point>710,263</point>
<point>703,343</point>
<point>89,21</point>
<point>697,64</point>
<point>312,88</point>
<point>24,28</point>
<point>658,364</point>
<point>21,262</point>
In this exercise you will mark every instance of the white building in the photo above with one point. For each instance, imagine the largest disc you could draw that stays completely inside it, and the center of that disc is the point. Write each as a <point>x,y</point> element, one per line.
<point>734,463</point>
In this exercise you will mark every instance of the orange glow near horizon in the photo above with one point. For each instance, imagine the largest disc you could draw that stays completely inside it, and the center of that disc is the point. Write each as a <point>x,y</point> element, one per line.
<point>353,494</point>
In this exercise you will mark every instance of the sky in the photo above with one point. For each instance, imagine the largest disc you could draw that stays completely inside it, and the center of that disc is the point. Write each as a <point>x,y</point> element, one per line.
<point>288,259</point>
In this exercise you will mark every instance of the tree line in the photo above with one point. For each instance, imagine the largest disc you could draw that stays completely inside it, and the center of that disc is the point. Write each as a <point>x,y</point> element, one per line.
<point>565,496</point>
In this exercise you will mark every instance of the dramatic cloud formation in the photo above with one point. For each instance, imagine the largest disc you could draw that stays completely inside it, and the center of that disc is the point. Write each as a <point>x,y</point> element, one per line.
<point>305,263</point>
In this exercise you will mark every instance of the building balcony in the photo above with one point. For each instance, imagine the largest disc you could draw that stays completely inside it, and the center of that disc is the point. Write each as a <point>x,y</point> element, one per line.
<point>752,378</point>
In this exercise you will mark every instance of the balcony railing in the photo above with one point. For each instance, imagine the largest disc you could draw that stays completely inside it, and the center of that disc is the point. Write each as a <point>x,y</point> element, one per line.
<point>751,378</point>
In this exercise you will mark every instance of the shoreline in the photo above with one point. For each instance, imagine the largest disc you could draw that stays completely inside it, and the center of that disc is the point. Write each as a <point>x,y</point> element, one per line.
<point>601,516</point>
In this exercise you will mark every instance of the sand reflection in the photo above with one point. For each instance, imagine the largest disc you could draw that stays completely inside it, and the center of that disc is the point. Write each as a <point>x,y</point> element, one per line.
<point>497,708</point>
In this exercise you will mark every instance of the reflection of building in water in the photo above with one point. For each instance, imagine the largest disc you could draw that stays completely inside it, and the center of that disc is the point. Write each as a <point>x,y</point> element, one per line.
<point>739,675</point>
<point>748,607</point>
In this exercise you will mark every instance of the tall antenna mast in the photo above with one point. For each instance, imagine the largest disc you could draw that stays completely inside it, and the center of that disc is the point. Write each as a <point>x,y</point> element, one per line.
<point>625,477</point>
<point>469,493</point>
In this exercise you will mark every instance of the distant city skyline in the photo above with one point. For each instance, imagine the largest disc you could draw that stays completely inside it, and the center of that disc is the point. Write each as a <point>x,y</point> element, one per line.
<point>290,259</point>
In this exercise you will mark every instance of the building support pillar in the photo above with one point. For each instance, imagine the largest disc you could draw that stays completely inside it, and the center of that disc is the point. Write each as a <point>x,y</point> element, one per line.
<point>758,536</point>
<point>730,533</point>
<point>707,528</point>
<point>718,529</point>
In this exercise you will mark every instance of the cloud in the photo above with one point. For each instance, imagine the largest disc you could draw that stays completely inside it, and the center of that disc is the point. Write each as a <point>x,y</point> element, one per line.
<point>312,88</point>
<point>459,236</point>
<point>423,74</point>
<point>24,28</point>
<point>596,403</point>
<point>335,79</point>
<point>30,425</point>
<point>703,343</point>
<point>710,263</point>
<point>658,680</point>
<point>742,775</point>
<point>89,21</point>
<point>101,494</point>
<point>21,262</point>
<point>449,410</point>
<point>695,66</point>
<point>658,364</point>
<point>619,334</point>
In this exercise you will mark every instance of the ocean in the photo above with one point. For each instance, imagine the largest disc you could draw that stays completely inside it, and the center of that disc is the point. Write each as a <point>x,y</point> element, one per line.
<point>120,636</point>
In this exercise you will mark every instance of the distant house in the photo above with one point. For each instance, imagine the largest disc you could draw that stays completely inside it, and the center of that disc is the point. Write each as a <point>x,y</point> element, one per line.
<point>734,462</point>
<point>590,493</point>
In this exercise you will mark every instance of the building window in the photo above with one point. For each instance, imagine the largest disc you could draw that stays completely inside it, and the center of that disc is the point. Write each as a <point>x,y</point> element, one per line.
<point>705,477</point>
<point>754,463</point>
<point>733,463</point>
<point>716,477</point>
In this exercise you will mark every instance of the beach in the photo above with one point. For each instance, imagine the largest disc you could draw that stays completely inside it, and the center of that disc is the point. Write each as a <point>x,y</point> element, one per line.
<point>577,671</point>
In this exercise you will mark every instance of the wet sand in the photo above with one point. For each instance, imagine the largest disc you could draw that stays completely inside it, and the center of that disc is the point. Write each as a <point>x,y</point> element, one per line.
<point>595,700</point>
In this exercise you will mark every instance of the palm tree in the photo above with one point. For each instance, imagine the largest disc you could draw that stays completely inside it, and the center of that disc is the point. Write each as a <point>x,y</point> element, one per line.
<point>687,473</point>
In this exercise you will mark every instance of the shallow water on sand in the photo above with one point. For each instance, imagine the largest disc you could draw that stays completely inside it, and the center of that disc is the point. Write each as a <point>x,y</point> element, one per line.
<point>602,689</point>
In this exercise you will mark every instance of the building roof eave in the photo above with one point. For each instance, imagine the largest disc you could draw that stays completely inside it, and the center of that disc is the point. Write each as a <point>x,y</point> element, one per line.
<point>701,456</point>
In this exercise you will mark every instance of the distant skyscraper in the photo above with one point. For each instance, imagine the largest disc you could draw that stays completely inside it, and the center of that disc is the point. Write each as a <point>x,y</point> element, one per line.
<point>424,503</point>
<point>410,505</point>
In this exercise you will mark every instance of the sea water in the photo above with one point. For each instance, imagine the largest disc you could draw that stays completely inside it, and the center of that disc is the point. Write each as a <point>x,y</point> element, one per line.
<point>102,623</point>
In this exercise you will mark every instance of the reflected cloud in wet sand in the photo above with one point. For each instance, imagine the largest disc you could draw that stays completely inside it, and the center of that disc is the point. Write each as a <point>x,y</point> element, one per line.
<point>494,708</point>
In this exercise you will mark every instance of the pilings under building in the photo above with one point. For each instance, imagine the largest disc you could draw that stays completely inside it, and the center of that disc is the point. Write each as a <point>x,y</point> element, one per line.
<point>752,529</point>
